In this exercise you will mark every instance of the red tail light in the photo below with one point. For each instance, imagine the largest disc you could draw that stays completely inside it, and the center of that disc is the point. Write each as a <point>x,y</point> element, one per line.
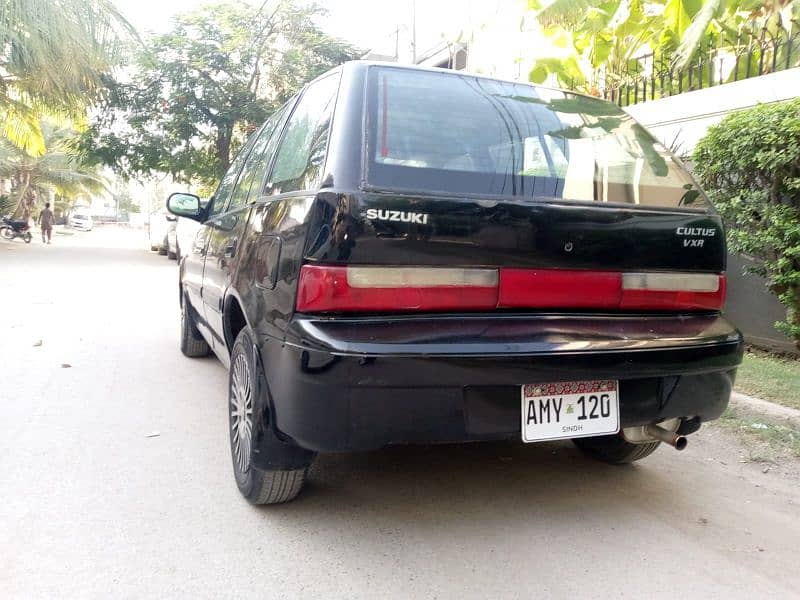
<point>392,289</point>
<point>528,288</point>
<point>408,289</point>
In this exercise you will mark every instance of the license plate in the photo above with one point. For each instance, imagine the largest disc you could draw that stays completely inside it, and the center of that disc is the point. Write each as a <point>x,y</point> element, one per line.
<point>569,409</point>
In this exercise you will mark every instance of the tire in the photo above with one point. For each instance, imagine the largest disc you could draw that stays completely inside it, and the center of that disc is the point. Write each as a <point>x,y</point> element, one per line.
<point>171,255</point>
<point>162,249</point>
<point>614,449</point>
<point>7,233</point>
<point>153,248</point>
<point>192,343</point>
<point>259,486</point>
<point>27,237</point>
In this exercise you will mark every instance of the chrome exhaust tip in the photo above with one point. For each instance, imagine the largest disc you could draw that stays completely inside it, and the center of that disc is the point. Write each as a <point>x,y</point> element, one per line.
<point>678,442</point>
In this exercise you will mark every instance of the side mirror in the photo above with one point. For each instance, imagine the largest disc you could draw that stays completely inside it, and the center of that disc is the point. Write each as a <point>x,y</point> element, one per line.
<point>186,205</point>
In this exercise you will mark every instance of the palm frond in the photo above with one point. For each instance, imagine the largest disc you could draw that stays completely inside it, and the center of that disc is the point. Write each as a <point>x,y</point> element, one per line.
<point>56,51</point>
<point>21,126</point>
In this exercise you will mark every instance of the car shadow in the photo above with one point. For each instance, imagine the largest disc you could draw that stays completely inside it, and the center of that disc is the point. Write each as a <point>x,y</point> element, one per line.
<point>494,484</point>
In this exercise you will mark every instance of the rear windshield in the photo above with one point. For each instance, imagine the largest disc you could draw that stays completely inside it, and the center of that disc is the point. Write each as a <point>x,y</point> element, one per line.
<point>463,134</point>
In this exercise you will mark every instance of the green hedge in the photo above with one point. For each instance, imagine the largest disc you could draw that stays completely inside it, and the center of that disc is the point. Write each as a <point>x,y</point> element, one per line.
<point>749,165</point>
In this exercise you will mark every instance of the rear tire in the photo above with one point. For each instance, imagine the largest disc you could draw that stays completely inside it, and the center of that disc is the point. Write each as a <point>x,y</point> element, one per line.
<point>192,343</point>
<point>162,249</point>
<point>614,449</point>
<point>7,233</point>
<point>259,486</point>
<point>171,255</point>
<point>27,237</point>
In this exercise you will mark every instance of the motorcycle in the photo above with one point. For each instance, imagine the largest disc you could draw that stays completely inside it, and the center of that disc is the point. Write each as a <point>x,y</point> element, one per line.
<point>11,229</point>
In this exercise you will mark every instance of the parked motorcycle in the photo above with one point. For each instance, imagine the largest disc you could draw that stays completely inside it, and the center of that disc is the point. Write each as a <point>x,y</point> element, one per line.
<point>11,229</point>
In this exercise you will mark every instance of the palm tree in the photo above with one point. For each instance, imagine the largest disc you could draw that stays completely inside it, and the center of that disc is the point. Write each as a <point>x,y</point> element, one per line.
<point>56,171</point>
<point>53,57</point>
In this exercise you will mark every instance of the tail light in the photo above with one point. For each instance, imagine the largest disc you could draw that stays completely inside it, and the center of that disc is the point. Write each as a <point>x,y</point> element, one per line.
<point>524,288</point>
<point>390,289</point>
<point>407,289</point>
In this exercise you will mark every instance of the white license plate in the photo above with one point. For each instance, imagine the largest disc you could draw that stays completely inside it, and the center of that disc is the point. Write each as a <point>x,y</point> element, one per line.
<point>569,409</point>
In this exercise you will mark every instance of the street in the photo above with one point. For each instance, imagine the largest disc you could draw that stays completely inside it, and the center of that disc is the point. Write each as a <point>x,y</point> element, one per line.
<point>116,480</point>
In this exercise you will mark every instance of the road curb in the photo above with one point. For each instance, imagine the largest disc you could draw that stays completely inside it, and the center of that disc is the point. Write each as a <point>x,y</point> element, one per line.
<point>785,413</point>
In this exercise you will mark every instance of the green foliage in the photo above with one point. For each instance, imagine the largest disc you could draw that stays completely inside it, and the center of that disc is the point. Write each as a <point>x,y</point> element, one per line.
<point>195,93</point>
<point>750,166</point>
<point>125,202</point>
<point>6,204</point>
<point>603,37</point>
<point>54,55</point>
<point>58,170</point>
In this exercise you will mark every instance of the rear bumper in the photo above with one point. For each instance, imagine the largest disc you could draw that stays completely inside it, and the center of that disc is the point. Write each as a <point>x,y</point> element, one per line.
<point>355,385</point>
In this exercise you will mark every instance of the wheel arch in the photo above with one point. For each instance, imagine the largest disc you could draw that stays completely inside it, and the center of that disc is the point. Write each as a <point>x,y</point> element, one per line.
<point>234,318</point>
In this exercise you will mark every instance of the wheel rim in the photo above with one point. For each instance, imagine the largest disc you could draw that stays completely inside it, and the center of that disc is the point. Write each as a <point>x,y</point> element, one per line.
<point>241,407</point>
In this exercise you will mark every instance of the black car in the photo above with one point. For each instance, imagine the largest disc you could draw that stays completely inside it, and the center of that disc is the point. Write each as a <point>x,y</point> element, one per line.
<point>404,255</point>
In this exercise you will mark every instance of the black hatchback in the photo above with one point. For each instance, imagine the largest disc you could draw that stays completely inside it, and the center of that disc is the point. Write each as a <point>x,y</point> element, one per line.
<point>404,255</point>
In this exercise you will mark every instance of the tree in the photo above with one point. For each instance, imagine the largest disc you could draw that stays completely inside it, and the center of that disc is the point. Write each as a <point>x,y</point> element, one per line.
<point>603,37</point>
<point>54,55</point>
<point>196,92</point>
<point>56,171</point>
<point>749,165</point>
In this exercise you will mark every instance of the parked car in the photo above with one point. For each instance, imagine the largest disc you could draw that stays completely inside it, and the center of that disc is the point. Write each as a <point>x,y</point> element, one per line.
<point>81,220</point>
<point>405,255</point>
<point>181,237</point>
<point>158,226</point>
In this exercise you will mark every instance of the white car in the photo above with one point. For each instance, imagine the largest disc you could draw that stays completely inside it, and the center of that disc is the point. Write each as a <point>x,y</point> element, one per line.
<point>180,239</point>
<point>82,221</point>
<point>158,226</point>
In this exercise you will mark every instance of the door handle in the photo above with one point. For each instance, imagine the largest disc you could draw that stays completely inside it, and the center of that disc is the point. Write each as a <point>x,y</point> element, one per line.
<point>230,248</point>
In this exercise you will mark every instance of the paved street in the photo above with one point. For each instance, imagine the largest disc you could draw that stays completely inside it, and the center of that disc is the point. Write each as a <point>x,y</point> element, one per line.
<point>92,506</point>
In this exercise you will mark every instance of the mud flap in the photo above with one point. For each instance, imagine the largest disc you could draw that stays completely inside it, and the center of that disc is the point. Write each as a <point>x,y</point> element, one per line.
<point>271,450</point>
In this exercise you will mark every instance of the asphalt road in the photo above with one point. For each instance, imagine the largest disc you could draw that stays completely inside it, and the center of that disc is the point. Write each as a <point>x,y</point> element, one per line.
<point>92,507</point>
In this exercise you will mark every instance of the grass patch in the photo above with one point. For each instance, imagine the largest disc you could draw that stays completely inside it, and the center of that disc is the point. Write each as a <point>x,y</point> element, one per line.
<point>770,377</point>
<point>765,440</point>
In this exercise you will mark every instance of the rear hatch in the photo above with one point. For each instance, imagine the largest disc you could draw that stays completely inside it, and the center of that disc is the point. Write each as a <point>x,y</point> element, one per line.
<point>487,195</point>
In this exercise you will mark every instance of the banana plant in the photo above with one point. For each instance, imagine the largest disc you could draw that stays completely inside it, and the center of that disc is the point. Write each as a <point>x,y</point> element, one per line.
<point>597,38</point>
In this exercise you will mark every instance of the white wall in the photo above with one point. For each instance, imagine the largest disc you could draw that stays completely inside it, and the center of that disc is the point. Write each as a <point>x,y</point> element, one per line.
<point>680,121</point>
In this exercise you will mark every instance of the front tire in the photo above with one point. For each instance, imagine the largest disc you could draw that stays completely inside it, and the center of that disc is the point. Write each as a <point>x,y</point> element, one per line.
<point>7,233</point>
<point>192,343</point>
<point>259,486</point>
<point>27,237</point>
<point>614,449</point>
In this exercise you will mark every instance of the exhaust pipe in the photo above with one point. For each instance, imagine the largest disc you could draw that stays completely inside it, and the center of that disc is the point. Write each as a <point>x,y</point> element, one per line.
<point>668,437</point>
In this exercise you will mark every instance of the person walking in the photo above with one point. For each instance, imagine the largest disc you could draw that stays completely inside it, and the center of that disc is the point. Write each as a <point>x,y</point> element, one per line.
<point>47,219</point>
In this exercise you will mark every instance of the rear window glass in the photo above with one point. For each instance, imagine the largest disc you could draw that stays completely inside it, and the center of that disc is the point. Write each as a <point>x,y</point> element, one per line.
<point>458,133</point>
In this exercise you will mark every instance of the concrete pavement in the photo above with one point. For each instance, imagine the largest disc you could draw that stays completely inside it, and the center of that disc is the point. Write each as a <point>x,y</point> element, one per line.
<point>91,506</point>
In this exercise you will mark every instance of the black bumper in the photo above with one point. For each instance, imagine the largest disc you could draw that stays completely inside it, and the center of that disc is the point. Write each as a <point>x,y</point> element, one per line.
<point>349,385</point>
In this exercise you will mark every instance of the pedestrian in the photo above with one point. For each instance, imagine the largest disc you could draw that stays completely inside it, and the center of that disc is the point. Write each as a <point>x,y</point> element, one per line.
<point>46,220</point>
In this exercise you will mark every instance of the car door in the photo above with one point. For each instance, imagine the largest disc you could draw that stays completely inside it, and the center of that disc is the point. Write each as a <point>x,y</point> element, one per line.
<point>192,272</point>
<point>226,230</point>
<point>193,264</point>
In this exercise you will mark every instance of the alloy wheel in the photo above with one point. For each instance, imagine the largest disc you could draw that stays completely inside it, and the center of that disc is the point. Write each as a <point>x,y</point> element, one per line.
<point>241,407</point>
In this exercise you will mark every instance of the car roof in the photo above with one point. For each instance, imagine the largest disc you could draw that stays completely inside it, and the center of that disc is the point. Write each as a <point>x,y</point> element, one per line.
<point>365,64</point>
